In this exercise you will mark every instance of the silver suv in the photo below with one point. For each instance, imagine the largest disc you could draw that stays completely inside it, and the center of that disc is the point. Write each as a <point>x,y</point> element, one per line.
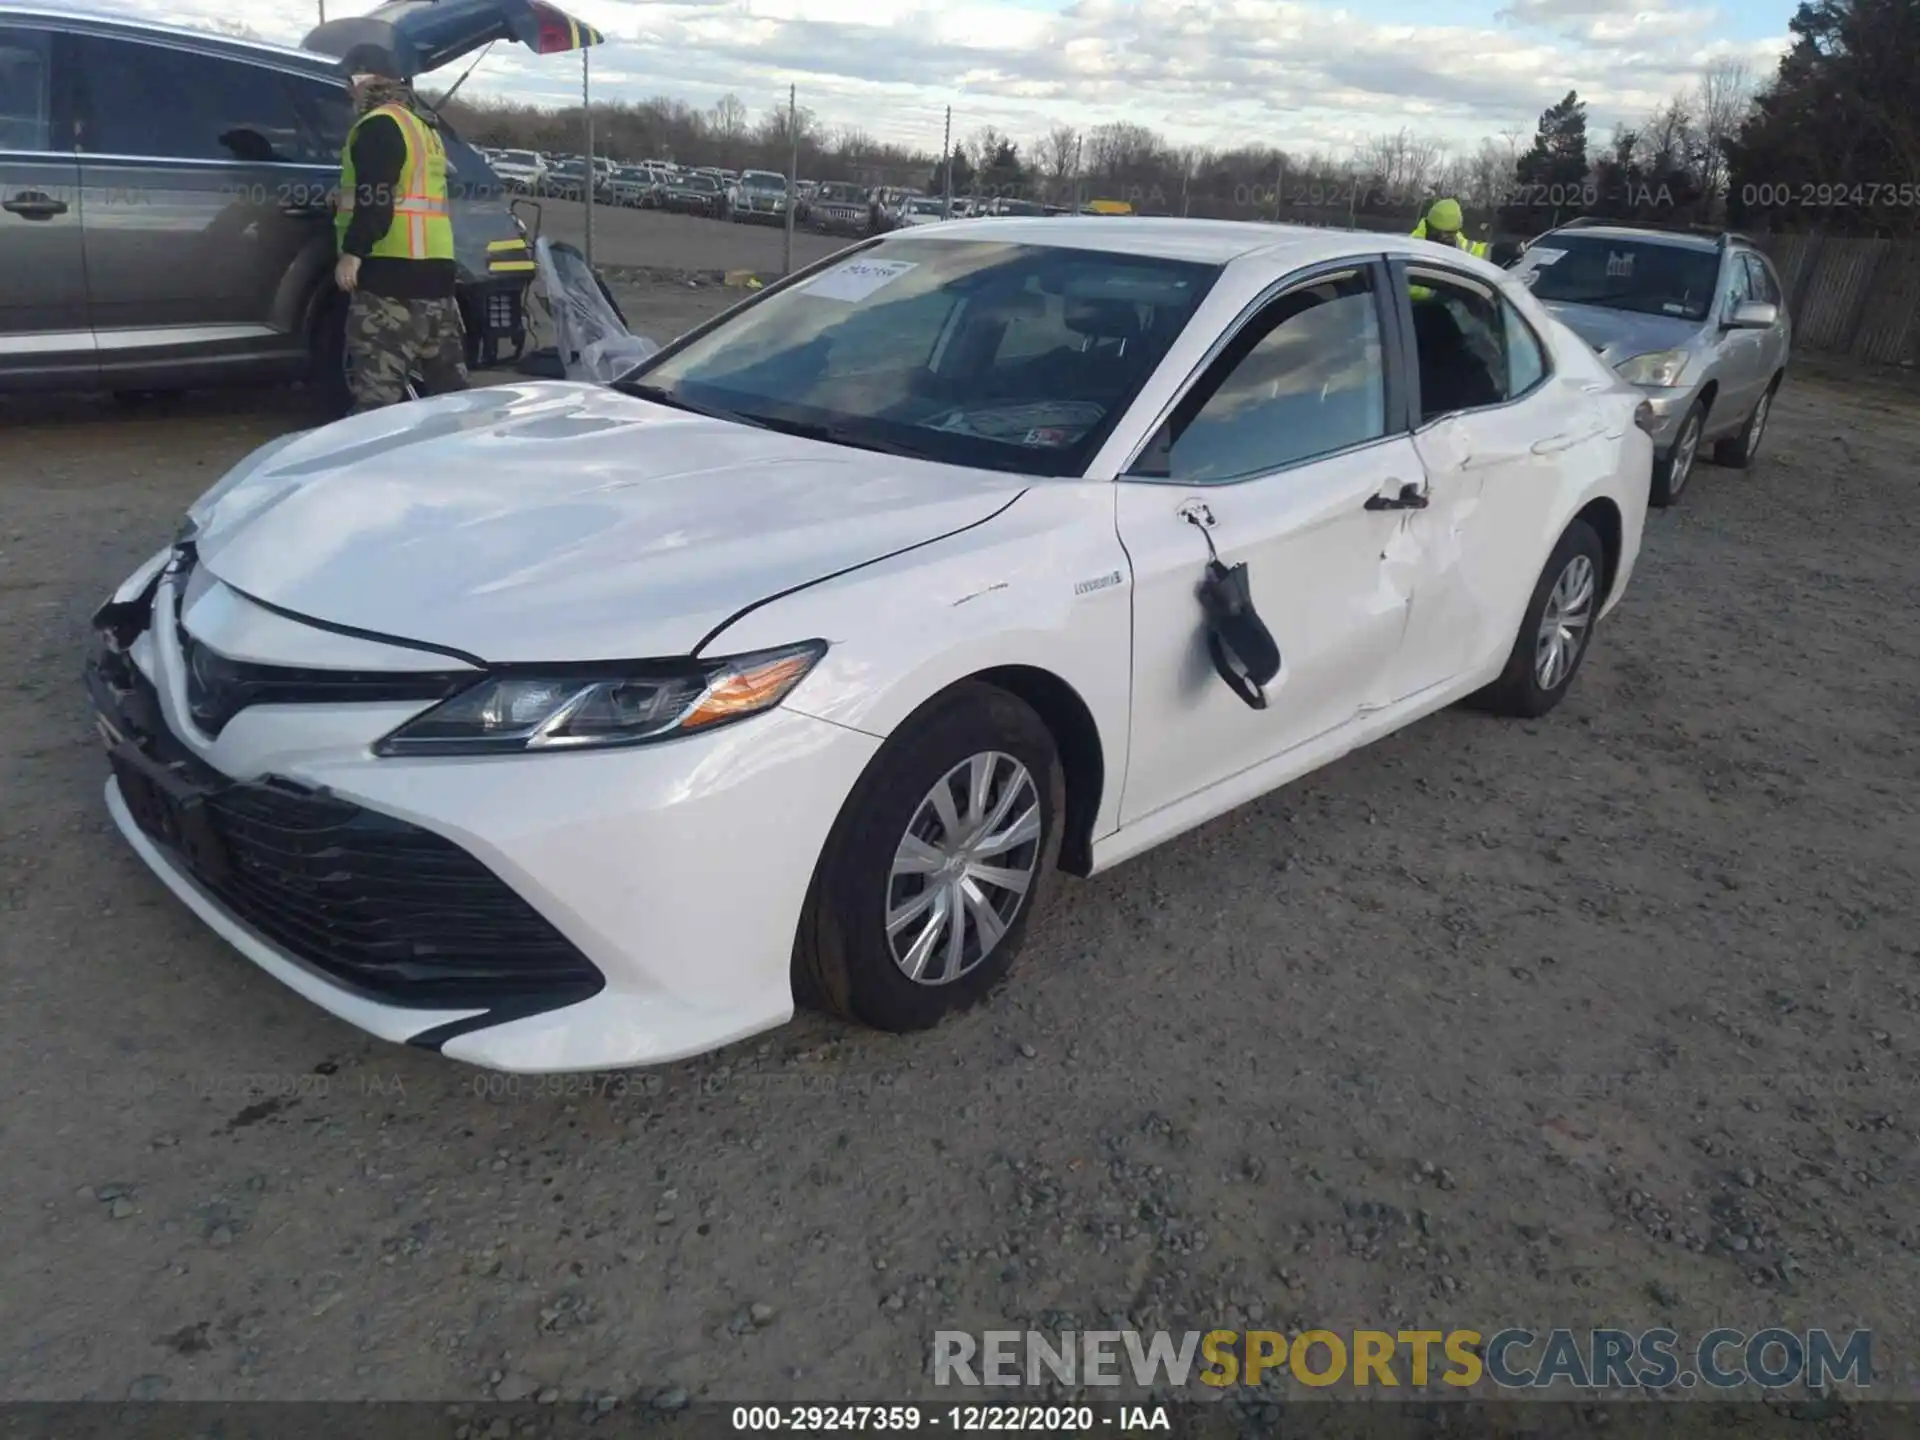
<point>1696,321</point>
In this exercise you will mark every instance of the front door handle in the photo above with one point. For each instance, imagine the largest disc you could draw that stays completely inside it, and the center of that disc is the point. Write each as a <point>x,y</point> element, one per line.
<point>32,205</point>
<point>306,212</point>
<point>1411,497</point>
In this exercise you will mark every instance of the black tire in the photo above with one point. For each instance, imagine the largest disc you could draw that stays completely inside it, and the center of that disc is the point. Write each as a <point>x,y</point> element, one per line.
<point>1672,470</point>
<point>1737,452</point>
<point>843,958</point>
<point>1519,691</point>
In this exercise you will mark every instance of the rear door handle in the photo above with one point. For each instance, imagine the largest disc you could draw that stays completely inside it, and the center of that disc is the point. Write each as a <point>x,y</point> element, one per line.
<point>305,212</point>
<point>32,205</point>
<point>1411,497</point>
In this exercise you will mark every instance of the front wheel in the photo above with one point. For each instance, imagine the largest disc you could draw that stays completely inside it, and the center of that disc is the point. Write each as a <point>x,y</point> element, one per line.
<point>936,866</point>
<point>1672,470</point>
<point>1556,630</point>
<point>1736,452</point>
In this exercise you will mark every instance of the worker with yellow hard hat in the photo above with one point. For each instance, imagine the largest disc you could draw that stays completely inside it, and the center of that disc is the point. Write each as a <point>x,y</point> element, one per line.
<point>1442,225</point>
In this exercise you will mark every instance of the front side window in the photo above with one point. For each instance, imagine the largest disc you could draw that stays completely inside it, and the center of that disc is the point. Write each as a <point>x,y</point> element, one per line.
<point>903,348</point>
<point>326,112</point>
<point>1305,378</point>
<point>26,91</point>
<point>1460,342</point>
<point>154,100</point>
<point>1760,282</point>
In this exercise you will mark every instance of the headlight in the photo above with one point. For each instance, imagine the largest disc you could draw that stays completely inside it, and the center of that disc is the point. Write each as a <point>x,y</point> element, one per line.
<point>583,708</point>
<point>1658,367</point>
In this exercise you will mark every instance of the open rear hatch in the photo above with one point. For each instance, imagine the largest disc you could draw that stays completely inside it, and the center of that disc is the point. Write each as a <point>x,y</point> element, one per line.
<point>420,36</point>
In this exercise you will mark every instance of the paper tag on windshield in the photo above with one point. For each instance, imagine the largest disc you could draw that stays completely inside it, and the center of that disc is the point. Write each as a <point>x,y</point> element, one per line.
<point>1619,265</point>
<point>1540,255</point>
<point>857,279</point>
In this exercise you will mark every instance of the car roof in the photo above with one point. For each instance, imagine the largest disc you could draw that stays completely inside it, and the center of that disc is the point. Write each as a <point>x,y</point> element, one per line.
<point>133,27</point>
<point>1171,238</point>
<point>1707,243</point>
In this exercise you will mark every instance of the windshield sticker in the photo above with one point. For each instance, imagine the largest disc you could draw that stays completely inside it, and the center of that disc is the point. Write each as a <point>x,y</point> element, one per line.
<point>857,279</point>
<point>1619,265</point>
<point>1673,309</point>
<point>1541,255</point>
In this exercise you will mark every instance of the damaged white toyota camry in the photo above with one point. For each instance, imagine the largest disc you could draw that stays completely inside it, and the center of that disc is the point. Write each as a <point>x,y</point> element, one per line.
<point>562,727</point>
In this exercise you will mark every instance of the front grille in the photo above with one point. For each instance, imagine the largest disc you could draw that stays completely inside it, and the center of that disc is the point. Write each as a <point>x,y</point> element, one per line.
<point>383,907</point>
<point>219,688</point>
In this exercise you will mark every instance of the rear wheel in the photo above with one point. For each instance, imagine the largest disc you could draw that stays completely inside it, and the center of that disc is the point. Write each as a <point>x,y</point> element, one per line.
<point>1672,470</point>
<point>936,865</point>
<point>1556,630</point>
<point>1736,452</point>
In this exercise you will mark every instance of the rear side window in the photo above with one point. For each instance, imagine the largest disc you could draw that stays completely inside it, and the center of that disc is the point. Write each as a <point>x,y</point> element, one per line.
<point>26,91</point>
<point>155,101</point>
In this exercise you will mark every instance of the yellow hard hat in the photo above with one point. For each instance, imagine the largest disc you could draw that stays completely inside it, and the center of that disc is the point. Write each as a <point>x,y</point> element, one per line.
<point>1445,215</point>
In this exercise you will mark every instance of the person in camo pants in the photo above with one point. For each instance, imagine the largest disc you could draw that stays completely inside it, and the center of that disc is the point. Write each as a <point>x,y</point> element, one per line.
<point>396,246</point>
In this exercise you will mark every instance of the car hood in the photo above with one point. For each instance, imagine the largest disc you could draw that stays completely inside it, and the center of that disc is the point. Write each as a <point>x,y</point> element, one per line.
<point>559,522</point>
<point>1618,335</point>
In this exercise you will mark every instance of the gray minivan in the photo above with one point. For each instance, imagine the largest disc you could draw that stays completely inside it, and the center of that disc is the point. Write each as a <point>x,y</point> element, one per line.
<point>166,196</point>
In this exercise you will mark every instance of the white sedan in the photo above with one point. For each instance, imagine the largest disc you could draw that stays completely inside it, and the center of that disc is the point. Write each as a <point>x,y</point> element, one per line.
<point>561,727</point>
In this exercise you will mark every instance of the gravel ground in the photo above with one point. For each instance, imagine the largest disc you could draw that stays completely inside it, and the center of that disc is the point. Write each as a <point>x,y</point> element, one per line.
<point>1612,1019</point>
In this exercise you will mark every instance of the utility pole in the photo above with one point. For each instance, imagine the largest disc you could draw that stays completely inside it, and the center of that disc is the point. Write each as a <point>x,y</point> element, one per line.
<point>946,167</point>
<point>1076,174</point>
<point>793,173</point>
<point>586,94</point>
<point>323,12</point>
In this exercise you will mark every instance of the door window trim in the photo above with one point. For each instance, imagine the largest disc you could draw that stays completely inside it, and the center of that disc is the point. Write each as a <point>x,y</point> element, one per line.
<point>1395,414</point>
<point>1409,349</point>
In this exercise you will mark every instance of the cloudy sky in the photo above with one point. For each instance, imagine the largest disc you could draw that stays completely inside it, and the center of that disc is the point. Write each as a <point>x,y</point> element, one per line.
<point>1308,75</point>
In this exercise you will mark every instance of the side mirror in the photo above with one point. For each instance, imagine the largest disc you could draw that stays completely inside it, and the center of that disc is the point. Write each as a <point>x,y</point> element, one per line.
<point>1753,315</point>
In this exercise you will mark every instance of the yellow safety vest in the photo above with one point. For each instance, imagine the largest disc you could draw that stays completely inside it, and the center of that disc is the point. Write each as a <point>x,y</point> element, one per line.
<point>422,229</point>
<point>1472,247</point>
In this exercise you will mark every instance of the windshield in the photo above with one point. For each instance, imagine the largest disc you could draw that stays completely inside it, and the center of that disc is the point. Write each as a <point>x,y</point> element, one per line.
<point>926,207</point>
<point>1006,357</point>
<point>759,180</point>
<point>839,192</point>
<point>1644,276</point>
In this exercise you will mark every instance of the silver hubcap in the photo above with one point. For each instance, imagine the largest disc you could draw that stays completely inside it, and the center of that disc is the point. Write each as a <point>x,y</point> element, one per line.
<point>1759,424</point>
<point>1683,452</point>
<point>963,869</point>
<point>1564,625</point>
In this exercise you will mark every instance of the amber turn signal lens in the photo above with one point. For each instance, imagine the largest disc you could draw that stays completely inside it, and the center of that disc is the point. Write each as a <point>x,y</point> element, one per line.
<point>745,691</point>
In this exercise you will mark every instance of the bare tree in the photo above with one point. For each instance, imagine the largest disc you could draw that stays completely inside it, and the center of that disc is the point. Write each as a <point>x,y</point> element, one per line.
<point>1402,165</point>
<point>1055,154</point>
<point>1721,105</point>
<point>1668,140</point>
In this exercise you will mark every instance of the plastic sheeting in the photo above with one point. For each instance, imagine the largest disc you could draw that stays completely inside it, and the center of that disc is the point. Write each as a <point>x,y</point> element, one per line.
<point>589,332</point>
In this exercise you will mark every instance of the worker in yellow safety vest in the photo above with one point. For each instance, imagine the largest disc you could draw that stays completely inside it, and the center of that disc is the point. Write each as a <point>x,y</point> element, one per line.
<point>395,235</point>
<point>1442,225</point>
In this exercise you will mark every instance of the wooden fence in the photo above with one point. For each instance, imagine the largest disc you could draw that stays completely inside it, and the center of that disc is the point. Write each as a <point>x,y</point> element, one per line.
<point>1851,296</point>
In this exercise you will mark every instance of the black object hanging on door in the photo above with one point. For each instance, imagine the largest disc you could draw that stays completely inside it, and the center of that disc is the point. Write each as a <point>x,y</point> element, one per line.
<point>1245,655</point>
